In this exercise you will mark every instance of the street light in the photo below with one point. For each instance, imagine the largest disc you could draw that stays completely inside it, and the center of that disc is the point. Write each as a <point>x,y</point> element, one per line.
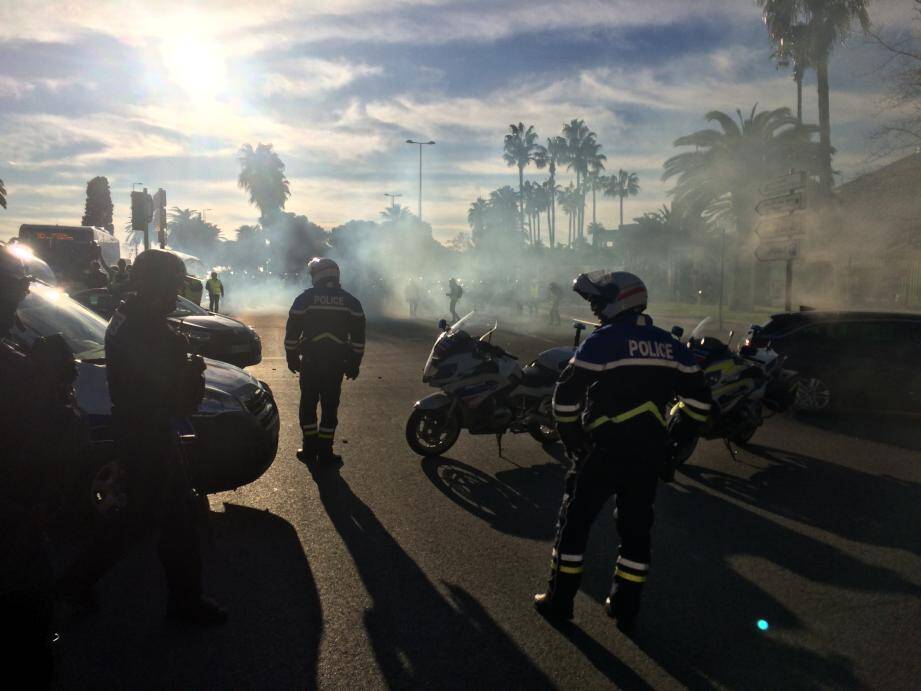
<point>420,145</point>
<point>201,214</point>
<point>393,197</point>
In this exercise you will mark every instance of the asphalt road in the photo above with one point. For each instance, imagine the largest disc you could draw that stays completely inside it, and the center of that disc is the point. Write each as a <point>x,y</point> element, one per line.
<point>401,573</point>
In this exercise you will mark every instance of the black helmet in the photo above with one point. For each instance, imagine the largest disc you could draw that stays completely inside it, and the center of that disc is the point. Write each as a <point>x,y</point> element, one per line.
<point>612,293</point>
<point>157,271</point>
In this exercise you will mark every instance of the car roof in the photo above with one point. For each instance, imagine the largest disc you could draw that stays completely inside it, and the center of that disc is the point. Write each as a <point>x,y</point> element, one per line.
<point>783,320</point>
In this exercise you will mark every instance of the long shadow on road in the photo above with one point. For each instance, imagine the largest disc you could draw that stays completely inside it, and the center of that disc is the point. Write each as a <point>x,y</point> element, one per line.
<point>421,638</point>
<point>256,567</point>
<point>700,611</point>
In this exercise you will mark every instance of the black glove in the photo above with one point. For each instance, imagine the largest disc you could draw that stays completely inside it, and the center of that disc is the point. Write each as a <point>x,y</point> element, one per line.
<point>294,363</point>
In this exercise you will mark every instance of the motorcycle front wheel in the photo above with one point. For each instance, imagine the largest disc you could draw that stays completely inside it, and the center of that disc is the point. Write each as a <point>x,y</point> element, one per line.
<point>432,432</point>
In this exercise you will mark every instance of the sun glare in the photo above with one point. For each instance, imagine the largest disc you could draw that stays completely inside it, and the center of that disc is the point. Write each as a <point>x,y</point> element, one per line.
<point>196,65</point>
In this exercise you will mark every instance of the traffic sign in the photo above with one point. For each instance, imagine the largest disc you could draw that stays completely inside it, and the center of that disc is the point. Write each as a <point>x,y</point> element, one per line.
<point>779,206</point>
<point>785,184</point>
<point>781,226</point>
<point>778,250</point>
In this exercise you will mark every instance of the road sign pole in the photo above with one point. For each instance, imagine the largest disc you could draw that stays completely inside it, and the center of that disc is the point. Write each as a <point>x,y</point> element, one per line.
<point>722,263</point>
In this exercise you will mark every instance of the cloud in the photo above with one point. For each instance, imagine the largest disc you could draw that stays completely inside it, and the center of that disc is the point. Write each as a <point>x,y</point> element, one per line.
<point>310,76</point>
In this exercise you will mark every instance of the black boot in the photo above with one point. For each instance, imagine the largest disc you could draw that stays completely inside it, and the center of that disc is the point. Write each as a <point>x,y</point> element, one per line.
<point>308,451</point>
<point>623,604</point>
<point>201,611</point>
<point>556,602</point>
<point>325,452</point>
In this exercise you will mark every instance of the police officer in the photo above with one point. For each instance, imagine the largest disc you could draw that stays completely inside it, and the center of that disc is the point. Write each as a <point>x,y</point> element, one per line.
<point>154,384</point>
<point>215,292</point>
<point>324,340</point>
<point>609,406</point>
<point>454,294</point>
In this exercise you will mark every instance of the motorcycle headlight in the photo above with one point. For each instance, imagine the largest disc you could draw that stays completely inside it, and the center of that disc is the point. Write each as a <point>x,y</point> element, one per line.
<point>216,402</point>
<point>253,333</point>
<point>198,336</point>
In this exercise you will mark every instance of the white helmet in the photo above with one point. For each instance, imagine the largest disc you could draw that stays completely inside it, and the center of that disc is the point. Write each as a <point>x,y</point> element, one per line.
<point>323,270</point>
<point>612,293</point>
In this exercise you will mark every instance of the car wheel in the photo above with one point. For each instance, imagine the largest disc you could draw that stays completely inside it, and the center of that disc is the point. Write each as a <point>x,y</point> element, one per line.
<point>812,395</point>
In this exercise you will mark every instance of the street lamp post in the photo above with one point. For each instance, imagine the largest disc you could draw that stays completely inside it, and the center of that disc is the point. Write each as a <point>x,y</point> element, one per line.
<point>420,145</point>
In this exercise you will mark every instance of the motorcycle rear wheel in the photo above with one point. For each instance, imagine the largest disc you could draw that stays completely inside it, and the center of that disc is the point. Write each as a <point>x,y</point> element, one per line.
<point>432,432</point>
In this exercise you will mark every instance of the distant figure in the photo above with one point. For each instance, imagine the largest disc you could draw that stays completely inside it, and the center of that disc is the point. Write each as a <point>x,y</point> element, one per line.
<point>413,295</point>
<point>215,292</point>
<point>556,294</point>
<point>454,294</point>
<point>119,276</point>
<point>95,277</point>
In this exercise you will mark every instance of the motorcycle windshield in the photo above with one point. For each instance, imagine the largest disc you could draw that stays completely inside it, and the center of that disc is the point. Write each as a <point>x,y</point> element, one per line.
<point>462,323</point>
<point>702,327</point>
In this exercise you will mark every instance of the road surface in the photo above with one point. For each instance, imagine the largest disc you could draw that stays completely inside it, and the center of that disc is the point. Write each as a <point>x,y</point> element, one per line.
<point>402,573</point>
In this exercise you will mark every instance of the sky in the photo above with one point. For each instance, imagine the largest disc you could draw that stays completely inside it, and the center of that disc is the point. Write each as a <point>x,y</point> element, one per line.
<point>165,94</point>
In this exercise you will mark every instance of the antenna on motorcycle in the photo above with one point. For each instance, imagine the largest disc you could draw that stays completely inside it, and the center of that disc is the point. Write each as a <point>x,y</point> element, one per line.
<point>731,334</point>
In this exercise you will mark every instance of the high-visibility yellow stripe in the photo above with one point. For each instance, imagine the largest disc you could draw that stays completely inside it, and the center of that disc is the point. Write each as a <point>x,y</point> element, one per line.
<point>647,407</point>
<point>724,365</point>
<point>566,418</point>
<point>570,569</point>
<point>686,409</point>
<point>629,576</point>
<point>324,435</point>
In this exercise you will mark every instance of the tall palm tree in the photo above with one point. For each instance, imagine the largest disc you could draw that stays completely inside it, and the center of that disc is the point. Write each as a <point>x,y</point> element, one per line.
<point>720,178</point>
<point>816,25</point>
<point>594,180</point>
<point>569,200</point>
<point>2,195</point>
<point>581,147</point>
<point>622,185</point>
<point>262,175</point>
<point>519,149</point>
<point>550,156</point>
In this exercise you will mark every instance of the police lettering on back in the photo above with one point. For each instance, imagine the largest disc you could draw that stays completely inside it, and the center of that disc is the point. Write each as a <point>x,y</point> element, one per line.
<point>328,300</point>
<point>651,349</point>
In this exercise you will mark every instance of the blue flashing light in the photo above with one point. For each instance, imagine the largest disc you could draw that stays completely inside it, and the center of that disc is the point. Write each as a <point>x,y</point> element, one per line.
<point>762,624</point>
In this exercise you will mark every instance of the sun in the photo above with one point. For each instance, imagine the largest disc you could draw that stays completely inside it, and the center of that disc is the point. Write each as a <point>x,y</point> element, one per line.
<point>195,64</point>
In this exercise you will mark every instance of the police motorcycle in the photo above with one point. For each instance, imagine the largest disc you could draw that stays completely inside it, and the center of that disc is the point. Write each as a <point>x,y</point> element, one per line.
<point>483,389</point>
<point>743,383</point>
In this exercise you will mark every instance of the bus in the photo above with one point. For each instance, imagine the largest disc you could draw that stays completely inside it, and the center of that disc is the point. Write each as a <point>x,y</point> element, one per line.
<point>68,250</point>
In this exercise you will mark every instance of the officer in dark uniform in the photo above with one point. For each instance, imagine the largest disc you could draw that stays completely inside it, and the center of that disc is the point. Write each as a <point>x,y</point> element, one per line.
<point>609,406</point>
<point>154,384</point>
<point>324,340</point>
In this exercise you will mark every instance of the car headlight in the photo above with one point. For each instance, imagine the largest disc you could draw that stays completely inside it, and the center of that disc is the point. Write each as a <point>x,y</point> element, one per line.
<point>216,402</point>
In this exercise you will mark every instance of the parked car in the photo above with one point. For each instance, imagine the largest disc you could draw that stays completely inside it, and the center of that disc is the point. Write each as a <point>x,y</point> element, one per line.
<point>211,335</point>
<point>867,360</point>
<point>236,424</point>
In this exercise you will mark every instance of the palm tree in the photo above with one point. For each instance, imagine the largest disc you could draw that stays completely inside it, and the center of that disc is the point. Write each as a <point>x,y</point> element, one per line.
<point>2,195</point>
<point>550,156</point>
<point>262,175</point>
<point>395,213</point>
<point>595,178</point>
<point>581,147</point>
<point>721,177</point>
<point>815,26</point>
<point>520,147</point>
<point>476,217</point>
<point>622,185</point>
<point>569,200</point>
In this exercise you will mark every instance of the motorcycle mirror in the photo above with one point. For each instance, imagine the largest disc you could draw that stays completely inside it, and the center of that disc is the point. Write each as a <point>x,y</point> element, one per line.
<point>677,331</point>
<point>443,324</point>
<point>731,334</point>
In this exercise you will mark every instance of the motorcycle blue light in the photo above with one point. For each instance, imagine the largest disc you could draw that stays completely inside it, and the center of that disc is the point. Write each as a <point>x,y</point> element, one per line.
<point>763,625</point>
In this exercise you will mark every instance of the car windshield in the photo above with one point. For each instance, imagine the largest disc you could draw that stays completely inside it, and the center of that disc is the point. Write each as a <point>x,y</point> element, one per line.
<point>187,308</point>
<point>46,311</point>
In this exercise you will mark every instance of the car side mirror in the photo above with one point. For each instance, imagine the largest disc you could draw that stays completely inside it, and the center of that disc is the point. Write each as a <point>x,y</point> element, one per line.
<point>443,324</point>
<point>677,332</point>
